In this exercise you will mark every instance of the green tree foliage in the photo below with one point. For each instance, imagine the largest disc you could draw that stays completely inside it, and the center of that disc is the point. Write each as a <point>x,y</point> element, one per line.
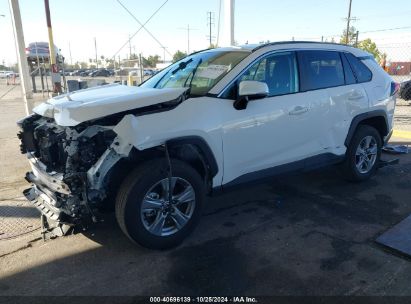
<point>370,47</point>
<point>178,56</point>
<point>151,61</point>
<point>367,44</point>
<point>352,36</point>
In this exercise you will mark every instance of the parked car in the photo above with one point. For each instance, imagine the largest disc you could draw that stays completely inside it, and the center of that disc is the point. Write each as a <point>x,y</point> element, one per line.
<point>77,72</point>
<point>148,72</point>
<point>8,74</point>
<point>41,49</point>
<point>405,90</point>
<point>85,73</point>
<point>216,119</point>
<point>100,73</point>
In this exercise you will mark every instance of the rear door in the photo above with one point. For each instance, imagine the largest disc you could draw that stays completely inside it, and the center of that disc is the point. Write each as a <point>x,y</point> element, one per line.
<point>333,94</point>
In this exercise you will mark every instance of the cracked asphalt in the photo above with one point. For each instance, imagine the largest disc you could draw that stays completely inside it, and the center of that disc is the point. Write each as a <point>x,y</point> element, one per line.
<point>307,234</point>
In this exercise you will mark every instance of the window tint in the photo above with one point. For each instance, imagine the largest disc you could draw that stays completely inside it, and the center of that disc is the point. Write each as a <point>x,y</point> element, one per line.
<point>320,69</point>
<point>278,71</point>
<point>349,75</point>
<point>362,73</point>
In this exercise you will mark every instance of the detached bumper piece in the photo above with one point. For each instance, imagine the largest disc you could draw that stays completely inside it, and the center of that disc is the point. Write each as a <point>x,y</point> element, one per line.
<point>43,203</point>
<point>51,216</point>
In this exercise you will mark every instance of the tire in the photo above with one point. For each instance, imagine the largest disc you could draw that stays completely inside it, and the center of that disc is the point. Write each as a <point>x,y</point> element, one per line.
<point>361,162</point>
<point>143,210</point>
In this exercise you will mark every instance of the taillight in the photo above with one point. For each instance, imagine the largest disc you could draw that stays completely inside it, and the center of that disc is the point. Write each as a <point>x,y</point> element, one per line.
<point>395,88</point>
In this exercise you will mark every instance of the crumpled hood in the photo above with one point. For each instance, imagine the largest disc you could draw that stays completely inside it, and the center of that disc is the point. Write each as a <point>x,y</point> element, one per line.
<point>74,108</point>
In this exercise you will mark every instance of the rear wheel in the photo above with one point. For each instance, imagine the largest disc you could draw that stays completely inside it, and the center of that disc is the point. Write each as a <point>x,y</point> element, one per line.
<point>145,212</point>
<point>363,154</point>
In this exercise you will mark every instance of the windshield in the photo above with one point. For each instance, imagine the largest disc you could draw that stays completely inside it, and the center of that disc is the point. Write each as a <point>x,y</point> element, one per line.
<point>199,72</point>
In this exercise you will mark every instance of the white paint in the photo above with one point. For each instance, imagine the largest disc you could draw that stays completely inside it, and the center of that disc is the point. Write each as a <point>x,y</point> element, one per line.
<point>74,108</point>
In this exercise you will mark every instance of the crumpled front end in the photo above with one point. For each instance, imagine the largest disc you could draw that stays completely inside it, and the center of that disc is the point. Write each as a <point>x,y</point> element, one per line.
<point>69,166</point>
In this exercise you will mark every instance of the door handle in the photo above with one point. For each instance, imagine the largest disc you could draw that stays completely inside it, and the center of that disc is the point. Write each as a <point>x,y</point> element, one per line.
<point>298,110</point>
<point>355,96</point>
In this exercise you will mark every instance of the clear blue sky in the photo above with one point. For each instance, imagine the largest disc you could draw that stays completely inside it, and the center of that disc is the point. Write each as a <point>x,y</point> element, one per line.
<point>78,22</point>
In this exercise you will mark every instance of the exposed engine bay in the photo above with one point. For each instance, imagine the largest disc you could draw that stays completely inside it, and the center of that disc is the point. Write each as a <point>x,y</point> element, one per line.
<point>69,165</point>
<point>72,166</point>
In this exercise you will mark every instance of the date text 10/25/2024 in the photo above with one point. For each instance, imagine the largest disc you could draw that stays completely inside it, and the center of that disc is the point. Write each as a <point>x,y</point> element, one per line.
<point>203,300</point>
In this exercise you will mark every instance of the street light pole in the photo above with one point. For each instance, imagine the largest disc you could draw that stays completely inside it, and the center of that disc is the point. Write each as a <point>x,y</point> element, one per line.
<point>95,49</point>
<point>21,54</point>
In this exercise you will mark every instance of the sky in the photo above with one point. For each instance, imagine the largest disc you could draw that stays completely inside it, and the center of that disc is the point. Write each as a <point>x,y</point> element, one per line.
<point>77,22</point>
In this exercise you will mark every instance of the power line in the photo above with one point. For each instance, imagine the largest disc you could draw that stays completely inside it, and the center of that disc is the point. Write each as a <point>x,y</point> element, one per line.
<point>142,26</point>
<point>389,29</point>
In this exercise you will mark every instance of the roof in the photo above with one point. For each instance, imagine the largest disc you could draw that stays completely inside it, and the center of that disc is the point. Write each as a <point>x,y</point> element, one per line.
<point>259,46</point>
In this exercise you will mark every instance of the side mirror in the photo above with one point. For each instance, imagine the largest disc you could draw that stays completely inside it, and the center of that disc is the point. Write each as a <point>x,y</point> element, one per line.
<point>252,89</point>
<point>248,90</point>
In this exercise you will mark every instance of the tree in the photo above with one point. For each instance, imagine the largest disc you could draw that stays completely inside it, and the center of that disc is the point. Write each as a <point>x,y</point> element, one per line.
<point>352,36</point>
<point>370,47</point>
<point>151,61</point>
<point>178,56</point>
<point>367,44</point>
<point>83,65</point>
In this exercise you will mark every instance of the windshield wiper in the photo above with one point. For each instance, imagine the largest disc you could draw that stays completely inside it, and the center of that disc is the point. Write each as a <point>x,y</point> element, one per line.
<point>182,66</point>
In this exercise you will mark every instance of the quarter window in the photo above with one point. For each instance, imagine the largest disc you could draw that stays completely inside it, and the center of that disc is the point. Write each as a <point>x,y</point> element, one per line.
<point>320,69</point>
<point>362,73</point>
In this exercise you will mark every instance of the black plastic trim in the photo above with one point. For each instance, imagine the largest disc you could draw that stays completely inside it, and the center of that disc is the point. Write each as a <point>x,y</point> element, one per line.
<point>361,117</point>
<point>304,165</point>
<point>202,145</point>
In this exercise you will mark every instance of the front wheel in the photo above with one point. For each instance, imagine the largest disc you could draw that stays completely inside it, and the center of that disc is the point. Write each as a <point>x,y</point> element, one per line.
<point>156,211</point>
<point>363,154</point>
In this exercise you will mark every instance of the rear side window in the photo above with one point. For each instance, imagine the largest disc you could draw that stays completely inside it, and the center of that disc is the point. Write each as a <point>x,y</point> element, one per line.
<point>361,72</point>
<point>320,69</point>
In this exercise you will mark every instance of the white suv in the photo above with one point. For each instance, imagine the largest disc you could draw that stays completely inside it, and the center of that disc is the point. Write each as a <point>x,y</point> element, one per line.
<point>215,119</point>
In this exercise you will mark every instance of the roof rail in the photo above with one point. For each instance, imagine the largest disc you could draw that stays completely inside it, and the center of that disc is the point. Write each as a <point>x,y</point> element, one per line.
<point>296,42</point>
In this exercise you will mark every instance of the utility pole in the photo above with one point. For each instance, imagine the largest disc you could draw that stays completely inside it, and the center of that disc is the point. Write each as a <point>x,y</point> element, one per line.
<point>188,29</point>
<point>210,23</point>
<point>348,23</point>
<point>129,47</point>
<point>71,58</point>
<point>356,38</point>
<point>164,54</point>
<point>55,75</point>
<point>95,49</point>
<point>21,54</point>
<point>228,27</point>
<point>349,19</point>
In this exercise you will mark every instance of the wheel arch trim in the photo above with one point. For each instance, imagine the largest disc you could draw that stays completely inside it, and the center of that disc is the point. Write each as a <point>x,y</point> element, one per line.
<point>356,121</point>
<point>201,144</point>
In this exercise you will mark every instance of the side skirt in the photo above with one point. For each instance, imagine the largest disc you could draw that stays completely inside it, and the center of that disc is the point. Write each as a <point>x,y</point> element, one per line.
<point>305,165</point>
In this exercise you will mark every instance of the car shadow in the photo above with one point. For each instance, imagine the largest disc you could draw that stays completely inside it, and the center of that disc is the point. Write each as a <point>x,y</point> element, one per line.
<point>307,234</point>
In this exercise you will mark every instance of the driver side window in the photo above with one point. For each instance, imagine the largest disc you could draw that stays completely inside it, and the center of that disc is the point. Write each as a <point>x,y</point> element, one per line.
<point>278,71</point>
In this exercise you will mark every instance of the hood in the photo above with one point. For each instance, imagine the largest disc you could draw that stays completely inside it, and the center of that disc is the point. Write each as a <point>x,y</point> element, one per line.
<point>74,108</point>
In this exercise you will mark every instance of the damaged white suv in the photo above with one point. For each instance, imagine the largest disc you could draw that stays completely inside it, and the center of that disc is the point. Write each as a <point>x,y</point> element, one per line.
<point>215,119</point>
